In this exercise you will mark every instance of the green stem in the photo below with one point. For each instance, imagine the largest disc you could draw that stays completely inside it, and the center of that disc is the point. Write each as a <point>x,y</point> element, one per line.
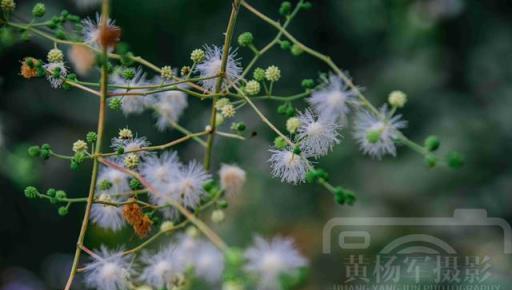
<point>218,86</point>
<point>94,174</point>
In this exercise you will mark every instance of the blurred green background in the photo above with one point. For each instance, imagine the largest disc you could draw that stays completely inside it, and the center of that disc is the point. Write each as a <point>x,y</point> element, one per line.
<point>453,58</point>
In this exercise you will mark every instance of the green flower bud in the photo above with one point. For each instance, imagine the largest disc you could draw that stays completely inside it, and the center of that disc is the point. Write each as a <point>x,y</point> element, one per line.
<point>222,203</point>
<point>60,34</point>
<point>339,195</point>
<point>105,184</point>
<point>431,160</point>
<point>280,142</point>
<point>290,111</point>
<point>286,8</point>
<point>432,143</point>
<point>51,192</point>
<point>135,184</point>
<point>115,104</point>
<point>31,192</point>
<point>131,160</point>
<point>63,211</point>
<point>238,126</point>
<point>91,137</point>
<point>259,74</point>
<point>306,5</point>
<point>128,74</point>
<point>297,50</point>
<point>282,109</point>
<point>34,151</point>
<point>197,55</point>
<point>308,83</point>
<point>285,44</point>
<point>60,195</point>
<point>39,10</point>
<point>455,160</point>
<point>245,39</point>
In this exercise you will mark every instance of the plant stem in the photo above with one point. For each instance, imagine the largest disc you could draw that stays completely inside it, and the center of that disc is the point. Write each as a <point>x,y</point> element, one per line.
<point>218,86</point>
<point>105,11</point>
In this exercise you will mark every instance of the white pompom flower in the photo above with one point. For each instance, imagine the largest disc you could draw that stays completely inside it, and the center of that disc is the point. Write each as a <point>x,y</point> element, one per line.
<point>161,269</point>
<point>130,104</point>
<point>208,262</point>
<point>110,270</point>
<point>211,66</point>
<point>317,135</point>
<point>269,260</point>
<point>131,145</point>
<point>118,179</point>
<point>160,171</point>
<point>56,73</point>
<point>232,178</point>
<point>188,186</point>
<point>169,107</point>
<point>332,101</point>
<point>107,216</point>
<point>376,134</point>
<point>288,166</point>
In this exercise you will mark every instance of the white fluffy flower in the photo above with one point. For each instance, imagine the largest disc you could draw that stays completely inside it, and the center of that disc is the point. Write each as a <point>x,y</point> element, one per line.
<point>188,186</point>
<point>269,260</point>
<point>56,73</point>
<point>131,104</point>
<point>160,171</point>
<point>208,262</point>
<point>316,135</point>
<point>375,134</point>
<point>331,101</point>
<point>117,178</point>
<point>109,271</point>
<point>131,145</point>
<point>232,178</point>
<point>211,66</point>
<point>107,216</point>
<point>161,268</point>
<point>288,166</point>
<point>169,106</point>
<point>186,248</point>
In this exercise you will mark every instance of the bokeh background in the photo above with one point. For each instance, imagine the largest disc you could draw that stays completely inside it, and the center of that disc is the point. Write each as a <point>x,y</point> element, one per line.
<point>453,58</point>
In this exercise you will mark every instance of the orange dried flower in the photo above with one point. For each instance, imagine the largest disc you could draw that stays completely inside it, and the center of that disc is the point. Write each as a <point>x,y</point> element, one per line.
<point>143,228</point>
<point>28,67</point>
<point>140,222</point>
<point>109,35</point>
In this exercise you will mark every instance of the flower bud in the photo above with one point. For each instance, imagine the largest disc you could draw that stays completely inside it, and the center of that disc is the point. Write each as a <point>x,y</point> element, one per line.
<point>259,74</point>
<point>131,160</point>
<point>286,8</point>
<point>79,146</point>
<point>167,226</point>
<point>397,99</point>
<point>280,143</point>
<point>218,216</point>
<point>197,55</point>
<point>252,87</point>
<point>455,160</point>
<point>228,111</point>
<point>308,83</point>
<point>91,137</point>
<point>432,143</point>
<point>55,55</point>
<point>125,133</point>
<point>166,72</point>
<point>192,232</point>
<point>273,73</point>
<point>63,211</point>
<point>245,39</point>
<point>31,192</point>
<point>292,124</point>
<point>115,104</point>
<point>297,49</point>
<point>39,10</point>
<point>8,6</point>
<point>34,151</point>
